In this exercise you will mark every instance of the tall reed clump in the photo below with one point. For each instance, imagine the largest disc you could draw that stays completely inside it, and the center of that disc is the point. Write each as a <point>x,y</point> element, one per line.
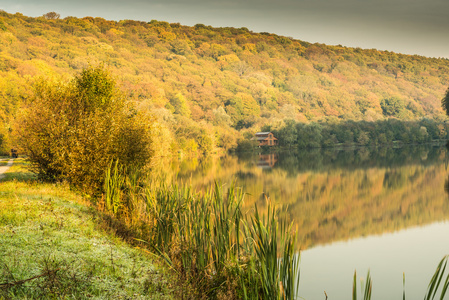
<point>366,291</point>
<point>215,248</point>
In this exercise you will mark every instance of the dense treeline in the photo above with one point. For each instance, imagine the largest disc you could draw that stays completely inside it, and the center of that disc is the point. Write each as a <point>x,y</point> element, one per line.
<point>351,133</point>
<point>327,159</point>
<point>208,86</point>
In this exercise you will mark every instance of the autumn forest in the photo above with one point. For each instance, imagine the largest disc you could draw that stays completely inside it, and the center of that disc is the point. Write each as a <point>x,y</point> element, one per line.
<point>210,89</point>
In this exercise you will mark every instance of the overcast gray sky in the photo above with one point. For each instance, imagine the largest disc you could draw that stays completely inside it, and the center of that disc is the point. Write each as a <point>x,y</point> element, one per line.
<point>404,26</point>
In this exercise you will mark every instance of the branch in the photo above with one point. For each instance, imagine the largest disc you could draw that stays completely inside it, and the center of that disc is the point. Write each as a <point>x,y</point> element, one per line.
<point>10,284</point>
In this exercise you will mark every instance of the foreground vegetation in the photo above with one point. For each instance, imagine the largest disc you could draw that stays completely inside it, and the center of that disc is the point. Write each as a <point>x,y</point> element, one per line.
<point>59,251</point>
<point>53,246</point>
<point>218,250</point>
<point>72,130</point>
<point>57,247</point>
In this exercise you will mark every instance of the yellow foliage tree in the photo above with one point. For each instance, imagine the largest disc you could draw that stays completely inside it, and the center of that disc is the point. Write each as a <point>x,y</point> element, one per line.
<point>72,131</point>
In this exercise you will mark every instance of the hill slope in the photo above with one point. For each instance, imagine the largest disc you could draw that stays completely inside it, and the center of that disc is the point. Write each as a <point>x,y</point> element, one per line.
<point>227,79</point>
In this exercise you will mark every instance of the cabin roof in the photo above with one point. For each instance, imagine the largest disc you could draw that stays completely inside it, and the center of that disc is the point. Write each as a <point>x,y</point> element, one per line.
<point>263,133</point>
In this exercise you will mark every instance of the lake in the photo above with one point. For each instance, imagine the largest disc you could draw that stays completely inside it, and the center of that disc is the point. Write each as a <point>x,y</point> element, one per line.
<point>382,209</point>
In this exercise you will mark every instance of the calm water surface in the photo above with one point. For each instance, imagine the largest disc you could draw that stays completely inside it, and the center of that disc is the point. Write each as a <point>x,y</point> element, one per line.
<point>380,209</point>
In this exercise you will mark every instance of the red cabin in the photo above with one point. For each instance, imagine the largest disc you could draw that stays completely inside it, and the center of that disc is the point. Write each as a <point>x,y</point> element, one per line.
<point>265,139</point>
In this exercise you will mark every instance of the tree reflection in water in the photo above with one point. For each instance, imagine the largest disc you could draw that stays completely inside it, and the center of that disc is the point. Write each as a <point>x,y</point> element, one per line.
<point>332,194</point>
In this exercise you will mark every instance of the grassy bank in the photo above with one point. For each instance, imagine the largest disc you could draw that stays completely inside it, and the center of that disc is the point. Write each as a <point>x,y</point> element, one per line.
<point>52,245</point>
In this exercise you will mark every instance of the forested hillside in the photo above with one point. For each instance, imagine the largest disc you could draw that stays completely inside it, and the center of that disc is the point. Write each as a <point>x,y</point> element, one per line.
<point>207,86</point>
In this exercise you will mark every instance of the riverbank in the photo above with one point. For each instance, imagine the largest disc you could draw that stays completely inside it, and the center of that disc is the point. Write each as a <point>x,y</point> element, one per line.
<point>54,245</point>
<point>215,252</point>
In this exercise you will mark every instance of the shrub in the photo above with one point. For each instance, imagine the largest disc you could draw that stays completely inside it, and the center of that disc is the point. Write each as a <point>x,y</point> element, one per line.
<point>72,131</point>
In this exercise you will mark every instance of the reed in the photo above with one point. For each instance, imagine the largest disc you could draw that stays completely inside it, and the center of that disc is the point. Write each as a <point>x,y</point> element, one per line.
<point>366,290</point>
<point>114,182</point>
<point>436,281</point>
<point>279,277</point>
<point>439,279</point>
<point>211,243</point>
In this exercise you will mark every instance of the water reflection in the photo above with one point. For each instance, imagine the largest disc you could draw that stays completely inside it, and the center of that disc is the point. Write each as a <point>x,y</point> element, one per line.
<point>330,268</point>
<point>267,161</point>
<point>334,195</point>
<point>383,209</point>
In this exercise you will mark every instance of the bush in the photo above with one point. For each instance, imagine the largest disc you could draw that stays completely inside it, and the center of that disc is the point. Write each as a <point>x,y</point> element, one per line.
<point>246,145</point>
<point>72,131</point>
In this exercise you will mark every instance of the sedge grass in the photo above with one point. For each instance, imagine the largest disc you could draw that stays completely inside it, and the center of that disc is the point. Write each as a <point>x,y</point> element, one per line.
<point>213,246</point>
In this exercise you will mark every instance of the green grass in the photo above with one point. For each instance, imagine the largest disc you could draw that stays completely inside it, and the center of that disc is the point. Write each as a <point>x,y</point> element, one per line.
<point>3,161</point>
<point>18,171</point>
<point>53,246</point>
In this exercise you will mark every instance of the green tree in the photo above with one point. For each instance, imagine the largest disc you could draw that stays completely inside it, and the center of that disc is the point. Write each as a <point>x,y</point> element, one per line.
<point>180,105</point>
<point>288,134</point>
<point>221,119</point>
<point>309,136</point>
<point>392,106</point>
<point>52,15</point>
<point>445,102</point>
<point>72,131</point>
<point>242,108</point>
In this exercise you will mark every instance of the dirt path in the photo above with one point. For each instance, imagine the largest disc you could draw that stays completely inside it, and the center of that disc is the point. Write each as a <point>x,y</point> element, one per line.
<point>3,169</point>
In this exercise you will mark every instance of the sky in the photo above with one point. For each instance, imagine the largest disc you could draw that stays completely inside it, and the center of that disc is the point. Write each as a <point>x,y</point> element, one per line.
<point>402,26</point>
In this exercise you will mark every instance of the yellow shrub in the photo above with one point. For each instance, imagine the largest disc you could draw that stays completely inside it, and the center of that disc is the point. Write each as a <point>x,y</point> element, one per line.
<point>72,131</point>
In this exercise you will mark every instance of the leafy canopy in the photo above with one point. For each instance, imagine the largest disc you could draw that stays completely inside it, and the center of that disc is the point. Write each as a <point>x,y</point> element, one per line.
<point>72,131</point>
<point>445,102</point>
